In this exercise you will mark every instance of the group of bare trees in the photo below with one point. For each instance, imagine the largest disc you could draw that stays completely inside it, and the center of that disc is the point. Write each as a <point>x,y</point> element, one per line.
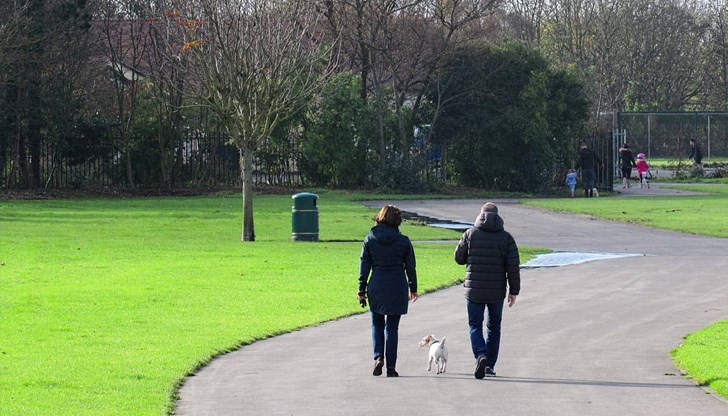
<point>637,55</point>
<point>398,46</point>
<point>146,70</point>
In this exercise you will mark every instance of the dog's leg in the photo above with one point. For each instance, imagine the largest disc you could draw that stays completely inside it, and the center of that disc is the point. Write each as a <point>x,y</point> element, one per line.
<point>429,363</point>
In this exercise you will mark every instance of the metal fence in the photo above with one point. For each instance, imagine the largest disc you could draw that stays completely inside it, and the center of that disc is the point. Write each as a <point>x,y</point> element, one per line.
<point>199,161</point>
<point>660,135</point>
<point>667,134</point>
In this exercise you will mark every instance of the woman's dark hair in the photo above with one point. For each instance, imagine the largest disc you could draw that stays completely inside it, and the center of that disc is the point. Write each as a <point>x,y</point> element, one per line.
<point>390,215</point>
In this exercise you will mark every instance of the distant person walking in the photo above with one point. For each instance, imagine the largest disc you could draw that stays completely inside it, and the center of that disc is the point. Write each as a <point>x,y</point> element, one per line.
<point>571,182</point>
<point>695,154</point>
<point>390,258</point>
<point>643,170</point>
<point>588,162</point>
<point>492,270</point>
<point>627,162</point>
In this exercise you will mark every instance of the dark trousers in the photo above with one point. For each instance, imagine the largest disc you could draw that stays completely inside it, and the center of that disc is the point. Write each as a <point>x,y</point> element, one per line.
<point>588,176</point>
<point>385,336</point>
<point>485,346</point>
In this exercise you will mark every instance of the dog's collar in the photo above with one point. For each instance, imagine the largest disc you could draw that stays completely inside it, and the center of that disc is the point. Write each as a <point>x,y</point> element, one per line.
<point>435,341</point>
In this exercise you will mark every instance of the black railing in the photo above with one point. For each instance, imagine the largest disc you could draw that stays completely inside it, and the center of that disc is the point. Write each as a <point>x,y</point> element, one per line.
<point>200,161</point>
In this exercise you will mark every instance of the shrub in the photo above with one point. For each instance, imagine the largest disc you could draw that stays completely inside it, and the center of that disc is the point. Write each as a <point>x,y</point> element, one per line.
<point>721,171</point>
<point>695,171</point>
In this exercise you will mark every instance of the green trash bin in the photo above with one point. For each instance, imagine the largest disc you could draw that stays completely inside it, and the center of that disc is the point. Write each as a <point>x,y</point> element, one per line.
<point>304,223</point>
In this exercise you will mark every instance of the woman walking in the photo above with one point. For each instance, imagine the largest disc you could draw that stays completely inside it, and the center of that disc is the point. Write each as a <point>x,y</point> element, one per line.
<point>627,163</point>
<point>390,258</point>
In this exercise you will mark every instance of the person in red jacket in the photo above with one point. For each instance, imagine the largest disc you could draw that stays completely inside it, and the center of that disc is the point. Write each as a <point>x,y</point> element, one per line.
<point>643,169</point>
<point>493,270</point>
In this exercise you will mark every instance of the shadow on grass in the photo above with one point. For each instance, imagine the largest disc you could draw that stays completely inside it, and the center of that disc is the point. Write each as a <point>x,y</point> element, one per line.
<point>710,381</point>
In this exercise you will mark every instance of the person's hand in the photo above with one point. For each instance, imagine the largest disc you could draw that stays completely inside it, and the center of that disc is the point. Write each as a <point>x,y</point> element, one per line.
<point>413,296</point>
<point>511,300</point>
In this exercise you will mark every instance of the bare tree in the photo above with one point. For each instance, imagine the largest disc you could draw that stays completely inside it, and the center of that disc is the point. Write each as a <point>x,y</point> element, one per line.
<point>397,45</point>
<point>634,54</point>
<point>524,19</point>
<point>41,52</point>
<point>12,13</point>
<point>14,18</point>
<point>716,13</point>
<point>125,37</point>
<point>253,63</point>
<point>666,44</point>
<point>440,27</point>
<point>168,81</point>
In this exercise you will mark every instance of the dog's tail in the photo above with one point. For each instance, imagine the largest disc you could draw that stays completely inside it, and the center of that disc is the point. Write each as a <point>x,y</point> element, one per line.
<point>442,341</point>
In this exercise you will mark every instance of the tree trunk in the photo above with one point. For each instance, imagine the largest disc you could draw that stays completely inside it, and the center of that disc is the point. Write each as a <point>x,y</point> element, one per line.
<point>35,144</point>
<point>402,131</point>
<point>16,164</point>
<point>246,169</point>
<point>127,151</point>
<point>33,130</point>
<point>363,50</point>
<point>380,121</point>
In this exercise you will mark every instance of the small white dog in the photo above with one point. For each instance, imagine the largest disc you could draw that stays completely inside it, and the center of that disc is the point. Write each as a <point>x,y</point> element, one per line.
<point>595,192</point>
<point>438,353</point>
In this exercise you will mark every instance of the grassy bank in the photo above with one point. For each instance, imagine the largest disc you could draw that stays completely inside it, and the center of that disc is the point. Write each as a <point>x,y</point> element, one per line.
<point>703,355</point>
<point>107,304</point>
<point>697,214</point>
<point>671,163</point>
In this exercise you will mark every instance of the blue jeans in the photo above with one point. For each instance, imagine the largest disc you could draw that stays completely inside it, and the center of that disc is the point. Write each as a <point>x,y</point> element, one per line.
<point>385,333</point>
<point>481,346</point>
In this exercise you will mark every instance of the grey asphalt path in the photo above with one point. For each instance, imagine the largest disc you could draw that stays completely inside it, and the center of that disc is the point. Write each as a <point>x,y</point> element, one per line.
<point>586,339</point>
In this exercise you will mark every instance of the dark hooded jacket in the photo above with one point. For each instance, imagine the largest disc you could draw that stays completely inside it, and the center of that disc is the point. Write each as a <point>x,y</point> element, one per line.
<point>627,158</point>
<point>491,256</point>
<point>696,154</point>
<point>390,257</point>
<point>587,159</point>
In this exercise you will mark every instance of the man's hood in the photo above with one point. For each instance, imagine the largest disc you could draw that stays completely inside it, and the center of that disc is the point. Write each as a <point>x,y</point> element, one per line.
<point>489,221</point>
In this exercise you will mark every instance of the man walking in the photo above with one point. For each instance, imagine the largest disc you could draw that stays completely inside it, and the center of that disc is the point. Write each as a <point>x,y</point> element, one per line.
<point>695,154</point>
<point>493,269</point>
<point>588,162</point>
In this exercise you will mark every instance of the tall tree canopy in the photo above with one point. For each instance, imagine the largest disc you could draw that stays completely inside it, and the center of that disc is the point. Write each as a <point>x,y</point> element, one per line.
<point>507,116</point>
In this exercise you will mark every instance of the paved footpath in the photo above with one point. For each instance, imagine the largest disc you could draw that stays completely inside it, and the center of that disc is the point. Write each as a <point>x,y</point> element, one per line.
<point>586,339</point>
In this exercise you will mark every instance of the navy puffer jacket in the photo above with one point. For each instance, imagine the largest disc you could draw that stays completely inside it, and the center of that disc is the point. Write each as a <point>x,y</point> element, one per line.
<point>491,256</point>
<point>390,257</point>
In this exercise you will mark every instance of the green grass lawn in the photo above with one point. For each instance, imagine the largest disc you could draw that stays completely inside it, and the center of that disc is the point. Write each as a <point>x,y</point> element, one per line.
<point>703,355</point>
<point>671,163</point>
<point>107,304</point>
<point>680,213</point>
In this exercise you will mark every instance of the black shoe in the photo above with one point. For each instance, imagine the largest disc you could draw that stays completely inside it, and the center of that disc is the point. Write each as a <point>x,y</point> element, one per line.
<point>489,372</point>
<point>392,373</point>
<point>378,364</point>
<point>480,367</point>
